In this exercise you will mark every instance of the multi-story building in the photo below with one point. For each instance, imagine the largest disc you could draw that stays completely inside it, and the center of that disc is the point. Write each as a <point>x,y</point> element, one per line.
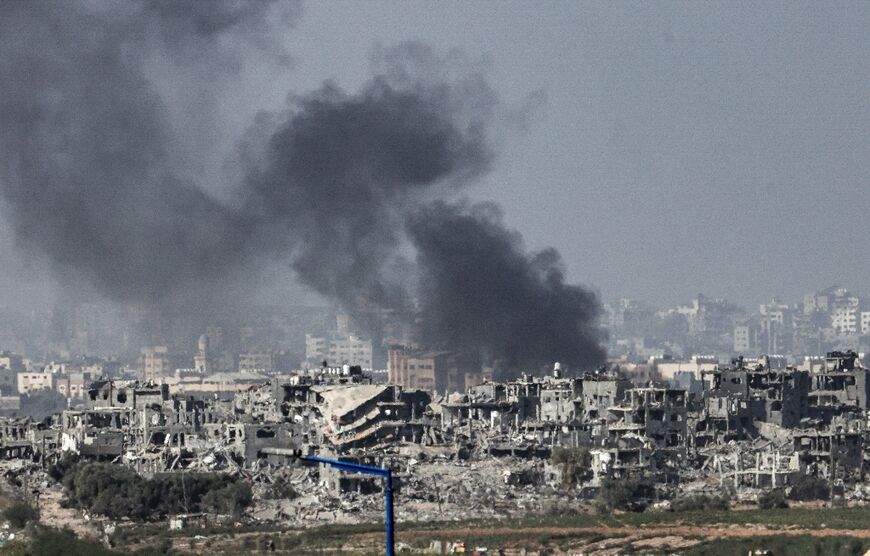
<point>428,370</point>
<point>338,350</point>
<point>351,351</point>
<point>865,323</point>
<point>747,337</point>
<point>11,361</point>
<point>316,347</point>
<point>156,363</point>
<point>667,369</point>
<point>73,385</point>
<point>844,319</point>
<point>256,362</point>
<point>32,382</point>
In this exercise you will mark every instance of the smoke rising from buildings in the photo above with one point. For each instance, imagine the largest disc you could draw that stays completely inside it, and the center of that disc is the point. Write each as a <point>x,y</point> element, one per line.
<point>343,171</point>
<point>483,294</point>
<point>346,188</point>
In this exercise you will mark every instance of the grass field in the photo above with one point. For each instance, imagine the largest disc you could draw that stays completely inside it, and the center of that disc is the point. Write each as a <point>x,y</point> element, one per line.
<point>799,531</point>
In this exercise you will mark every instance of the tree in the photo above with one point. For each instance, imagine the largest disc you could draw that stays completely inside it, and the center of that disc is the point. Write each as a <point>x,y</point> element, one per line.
<point>772,499</point>
<point>117,491</point>
<point>700,503</point>
<point>231,499</point>
<point>20,514</point>
<point>575,462</point>
<point>808,487</point>
<point>624,494</point>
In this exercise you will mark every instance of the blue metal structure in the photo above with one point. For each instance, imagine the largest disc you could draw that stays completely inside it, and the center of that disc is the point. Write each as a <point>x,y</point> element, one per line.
<point>368,470</point>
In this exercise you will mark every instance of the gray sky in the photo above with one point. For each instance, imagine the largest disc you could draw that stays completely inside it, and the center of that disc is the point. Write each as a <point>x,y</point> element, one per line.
<point>683,148</point>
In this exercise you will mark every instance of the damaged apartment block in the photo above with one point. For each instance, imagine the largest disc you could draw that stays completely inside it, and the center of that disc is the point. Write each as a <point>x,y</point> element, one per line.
<point>748,427</point>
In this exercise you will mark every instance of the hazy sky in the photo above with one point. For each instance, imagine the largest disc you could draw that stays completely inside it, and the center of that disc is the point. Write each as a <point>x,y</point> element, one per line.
<point>682,147</point>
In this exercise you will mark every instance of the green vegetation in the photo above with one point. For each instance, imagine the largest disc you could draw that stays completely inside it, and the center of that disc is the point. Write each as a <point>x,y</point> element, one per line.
<point>563,532</point>
<point>576,464</point>
<point>20,514</point>
<point>810,488</point>
<point>793,546</point>
<point>624,494</point>
<point>51,542</point>
<point>773,499</point>
<point>700,503</point>
<point>117,491</point>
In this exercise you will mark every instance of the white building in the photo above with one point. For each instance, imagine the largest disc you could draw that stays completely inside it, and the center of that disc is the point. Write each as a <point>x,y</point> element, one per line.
<point>668,368</point>
<point>844,319</point>
<point>742,338</point>
<point>32,382</point>
<point>349,350</point>
<point>865,322</point>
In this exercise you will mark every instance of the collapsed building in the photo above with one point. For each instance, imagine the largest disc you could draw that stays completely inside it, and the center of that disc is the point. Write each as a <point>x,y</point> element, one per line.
<point>752,425</point>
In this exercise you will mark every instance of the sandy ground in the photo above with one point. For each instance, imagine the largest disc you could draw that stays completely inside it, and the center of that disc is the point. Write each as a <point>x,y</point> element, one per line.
<point>52,514</point>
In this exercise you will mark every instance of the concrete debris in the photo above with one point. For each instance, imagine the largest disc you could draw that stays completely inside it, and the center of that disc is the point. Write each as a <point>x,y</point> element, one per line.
<point>487,452</point>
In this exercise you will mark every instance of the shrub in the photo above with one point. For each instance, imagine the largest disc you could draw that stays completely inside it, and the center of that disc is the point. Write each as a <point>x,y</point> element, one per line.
<point>576,464</point>
<point>700,503</point>
<point>117,491</point>
<point>624,494</point>
<point>20,514</point>
<point>772,499</point>
<point>810,488</point>
<point>52,541</point>
<point>62,466</point>
<point>232,499</point>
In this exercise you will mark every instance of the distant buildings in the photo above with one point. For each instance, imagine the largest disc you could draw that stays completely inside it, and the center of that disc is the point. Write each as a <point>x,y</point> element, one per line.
<point>70,379</point>
<point>32,382</point>
<point>155,363</point>
<point>202,360</point>
<point>11,361</point>
<point>338,350</point>
<point>440,371</point>
<point>829,319</point>
<point>256,362</point>
<point>668,369</point>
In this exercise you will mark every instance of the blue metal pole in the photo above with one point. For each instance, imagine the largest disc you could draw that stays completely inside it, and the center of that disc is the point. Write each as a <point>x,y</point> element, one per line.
<point>388,492</point>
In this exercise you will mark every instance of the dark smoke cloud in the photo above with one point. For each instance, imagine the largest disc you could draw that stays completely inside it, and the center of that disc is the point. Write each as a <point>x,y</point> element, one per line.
<point>483,294</point>
<point>102,110</point>
<point>89,170</point>
<point>344,169</point>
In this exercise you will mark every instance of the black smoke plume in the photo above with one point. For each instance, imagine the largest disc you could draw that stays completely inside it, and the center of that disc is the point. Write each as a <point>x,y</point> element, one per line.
<point>344,170</point>
<point>89,169</point>
<point>483,295</point>
<point>342,187</point>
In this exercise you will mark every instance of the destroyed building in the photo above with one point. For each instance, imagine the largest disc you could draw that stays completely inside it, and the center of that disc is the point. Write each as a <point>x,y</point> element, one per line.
<point>755,425</point>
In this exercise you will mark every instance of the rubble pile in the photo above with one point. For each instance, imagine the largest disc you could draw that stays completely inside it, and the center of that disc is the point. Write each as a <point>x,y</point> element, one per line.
<point>478,454</point>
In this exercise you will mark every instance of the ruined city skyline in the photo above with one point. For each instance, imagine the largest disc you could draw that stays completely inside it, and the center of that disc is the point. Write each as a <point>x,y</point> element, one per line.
<point>492,278</point>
